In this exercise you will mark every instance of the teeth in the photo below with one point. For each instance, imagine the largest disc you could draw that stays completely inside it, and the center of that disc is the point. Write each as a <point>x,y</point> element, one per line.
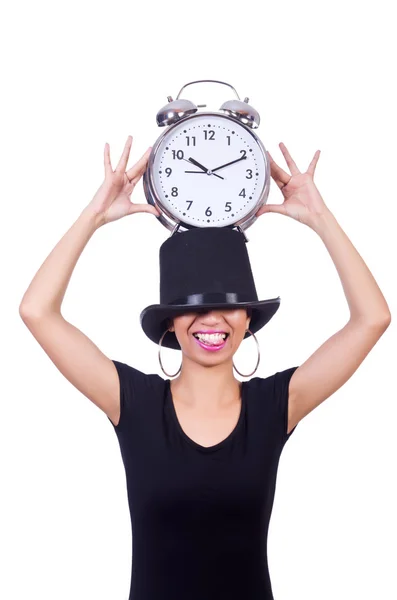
<point>211,337</point>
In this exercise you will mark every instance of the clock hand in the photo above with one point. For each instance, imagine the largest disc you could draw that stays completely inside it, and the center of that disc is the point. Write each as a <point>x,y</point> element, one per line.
<point>190,159</point>
<point>205,170</point>
<point>229,163</point>
<point>204,173</point>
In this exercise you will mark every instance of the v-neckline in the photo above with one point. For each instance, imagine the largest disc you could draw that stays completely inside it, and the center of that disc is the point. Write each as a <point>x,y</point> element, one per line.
<point>189,439</point>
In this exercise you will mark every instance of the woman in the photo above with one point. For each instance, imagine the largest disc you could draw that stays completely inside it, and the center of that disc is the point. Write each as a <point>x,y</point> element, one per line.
<point>200,512</point>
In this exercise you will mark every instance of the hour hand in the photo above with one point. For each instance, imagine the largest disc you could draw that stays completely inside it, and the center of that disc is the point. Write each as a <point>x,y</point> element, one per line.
<point>200,166</point>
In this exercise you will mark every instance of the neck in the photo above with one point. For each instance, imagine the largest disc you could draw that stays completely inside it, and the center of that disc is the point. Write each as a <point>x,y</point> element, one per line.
<point>206,386</point>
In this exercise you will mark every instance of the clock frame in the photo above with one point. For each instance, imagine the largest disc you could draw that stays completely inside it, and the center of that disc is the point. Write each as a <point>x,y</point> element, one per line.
<point>170,217</point>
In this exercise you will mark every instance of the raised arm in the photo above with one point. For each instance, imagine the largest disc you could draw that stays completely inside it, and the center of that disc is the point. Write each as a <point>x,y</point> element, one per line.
<point>335,361</point>
<point>72,352</point>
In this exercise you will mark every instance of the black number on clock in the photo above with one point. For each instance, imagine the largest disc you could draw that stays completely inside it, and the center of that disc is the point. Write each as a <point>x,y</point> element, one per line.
<point>174,191</point>
<point>188,140</point>
<point>209,135</point>
<point>208,214</point>
<point>250,174</point>
<point>168,171</point>
<point>228,140</point>
<point>242,193</point>
<point>177,154</point>
<point>243,152</point>
<point>191,202</point>
<point>229,208</point>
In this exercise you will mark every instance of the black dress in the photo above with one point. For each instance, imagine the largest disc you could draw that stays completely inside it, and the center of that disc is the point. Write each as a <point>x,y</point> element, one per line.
<point>200,515</point>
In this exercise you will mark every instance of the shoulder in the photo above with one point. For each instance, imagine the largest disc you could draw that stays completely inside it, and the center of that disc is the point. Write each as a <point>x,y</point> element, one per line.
<point>274,384</point>
<point>135,382</point>
<point>271,397</point>
<point>135,389</point>
<point>131,375</point>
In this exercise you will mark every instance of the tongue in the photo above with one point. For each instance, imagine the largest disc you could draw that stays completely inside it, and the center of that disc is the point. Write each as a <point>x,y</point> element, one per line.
<point>207,343</point>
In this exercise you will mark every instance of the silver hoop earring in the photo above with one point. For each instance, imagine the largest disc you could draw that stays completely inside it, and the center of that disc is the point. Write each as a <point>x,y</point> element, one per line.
<point>161,364</point>
<point>257,363</point>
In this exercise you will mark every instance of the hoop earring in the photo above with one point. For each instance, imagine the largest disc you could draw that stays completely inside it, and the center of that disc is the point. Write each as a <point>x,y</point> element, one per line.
<point>175,374</point>
<point>161,364</point>
<point>257,363</point>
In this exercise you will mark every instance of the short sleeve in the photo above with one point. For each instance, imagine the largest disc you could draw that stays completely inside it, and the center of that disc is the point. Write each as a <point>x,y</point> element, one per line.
<point>132,384</point>
<point>281,396</point>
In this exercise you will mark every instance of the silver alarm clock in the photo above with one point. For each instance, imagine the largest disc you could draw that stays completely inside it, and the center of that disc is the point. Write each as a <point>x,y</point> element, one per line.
<point>208,169</point>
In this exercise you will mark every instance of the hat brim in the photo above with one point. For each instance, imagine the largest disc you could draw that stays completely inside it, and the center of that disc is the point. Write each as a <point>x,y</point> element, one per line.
<point>153,318</point>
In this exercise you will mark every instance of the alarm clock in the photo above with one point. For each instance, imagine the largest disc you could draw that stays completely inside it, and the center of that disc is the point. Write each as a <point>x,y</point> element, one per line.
<point>207,169</point>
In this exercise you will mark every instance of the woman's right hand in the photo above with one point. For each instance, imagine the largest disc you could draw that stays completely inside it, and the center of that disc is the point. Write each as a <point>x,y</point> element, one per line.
<point>112,200</point>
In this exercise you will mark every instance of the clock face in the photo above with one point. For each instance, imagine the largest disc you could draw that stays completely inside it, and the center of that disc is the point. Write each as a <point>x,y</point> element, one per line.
<point>209,170</point>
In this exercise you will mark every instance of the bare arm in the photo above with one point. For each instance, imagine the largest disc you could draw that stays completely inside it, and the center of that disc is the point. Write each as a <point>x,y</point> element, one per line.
<point>72,352</point>
<point>335,361</point>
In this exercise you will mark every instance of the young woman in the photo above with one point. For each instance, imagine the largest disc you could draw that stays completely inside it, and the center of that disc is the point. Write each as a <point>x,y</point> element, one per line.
<point>201,454</point>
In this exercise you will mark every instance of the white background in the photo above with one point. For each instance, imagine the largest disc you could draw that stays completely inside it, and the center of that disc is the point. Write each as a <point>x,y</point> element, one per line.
<point>76,75</point>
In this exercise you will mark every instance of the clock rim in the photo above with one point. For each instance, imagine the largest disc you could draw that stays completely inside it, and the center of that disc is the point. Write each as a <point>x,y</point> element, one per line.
<point>152,197</point>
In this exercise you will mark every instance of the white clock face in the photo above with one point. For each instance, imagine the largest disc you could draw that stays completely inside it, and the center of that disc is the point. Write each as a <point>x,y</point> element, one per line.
<point>192,176</point>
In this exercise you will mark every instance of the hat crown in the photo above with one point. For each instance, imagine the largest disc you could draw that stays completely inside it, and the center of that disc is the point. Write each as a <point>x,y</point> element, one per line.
<point>210,261</point>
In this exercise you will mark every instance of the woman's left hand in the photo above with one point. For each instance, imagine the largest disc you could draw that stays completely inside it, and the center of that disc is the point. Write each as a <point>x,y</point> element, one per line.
<point>302,200</point>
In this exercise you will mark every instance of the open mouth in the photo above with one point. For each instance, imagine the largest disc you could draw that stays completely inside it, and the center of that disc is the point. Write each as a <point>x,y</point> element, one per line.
<point>212,340</point>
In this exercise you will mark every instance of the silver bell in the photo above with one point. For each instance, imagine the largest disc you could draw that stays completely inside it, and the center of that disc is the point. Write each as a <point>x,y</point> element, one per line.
<point>242,111</point>
<point>174,111</point>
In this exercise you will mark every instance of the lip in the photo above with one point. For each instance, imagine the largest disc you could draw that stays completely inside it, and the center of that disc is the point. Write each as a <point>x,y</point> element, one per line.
<point>211,348</point>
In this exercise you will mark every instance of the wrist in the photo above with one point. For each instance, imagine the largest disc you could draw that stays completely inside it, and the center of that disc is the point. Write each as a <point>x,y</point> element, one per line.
<point>323,221</point>
<point>96,220</point>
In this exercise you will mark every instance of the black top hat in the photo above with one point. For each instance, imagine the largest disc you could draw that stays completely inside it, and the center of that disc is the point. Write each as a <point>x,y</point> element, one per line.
<point>204,268</point>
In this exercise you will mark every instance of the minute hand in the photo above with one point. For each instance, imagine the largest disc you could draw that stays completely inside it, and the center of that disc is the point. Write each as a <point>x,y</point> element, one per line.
<point>229,163</point>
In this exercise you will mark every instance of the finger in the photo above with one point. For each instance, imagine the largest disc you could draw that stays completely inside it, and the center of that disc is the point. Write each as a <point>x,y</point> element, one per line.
<point>134,208</point>
<point>314,162</point>
<point>282,185</point>
<point>276,208</point>
<point>291,164</point>
<point>128,181</point>
<point>107,163</point>
<point>278,174</point>
<point>138,175</point>
<point>122,164</point>
<point>139,168</point>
